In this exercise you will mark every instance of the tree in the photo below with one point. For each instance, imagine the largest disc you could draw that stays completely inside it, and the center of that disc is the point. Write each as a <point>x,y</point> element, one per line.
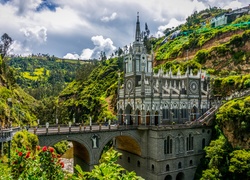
<point>146,40</point>
<point>24,139</point>
<point>103,55</point>
<point>107,169</point>
<point>83,72</point>
<point>240,164</point>
<point>119,52</point>
<point>6,42</point>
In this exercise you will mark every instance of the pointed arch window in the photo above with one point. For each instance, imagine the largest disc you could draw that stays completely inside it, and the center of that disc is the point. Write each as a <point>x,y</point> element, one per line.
<point>190,142</point>
<point>168,145</point>
<point>167,167</point>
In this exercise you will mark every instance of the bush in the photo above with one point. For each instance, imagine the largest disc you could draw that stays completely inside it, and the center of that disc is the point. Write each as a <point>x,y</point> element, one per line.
<point>41,164</point>
<point>24,139</point>
<point>247,83</point>
<point>201,56</point>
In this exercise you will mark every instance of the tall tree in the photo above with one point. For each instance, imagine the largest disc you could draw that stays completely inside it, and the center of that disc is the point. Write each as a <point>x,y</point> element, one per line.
<point>5,44</point>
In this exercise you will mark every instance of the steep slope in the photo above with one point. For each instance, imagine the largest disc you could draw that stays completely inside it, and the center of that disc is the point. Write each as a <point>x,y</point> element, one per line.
<point>94,97</point>
<point>220,50</point>
<point>16,106</point>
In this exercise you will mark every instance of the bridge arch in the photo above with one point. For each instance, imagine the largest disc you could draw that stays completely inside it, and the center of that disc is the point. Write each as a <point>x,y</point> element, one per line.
<point>82,149</point>
<point>180,176</point>
<point>125,141</point>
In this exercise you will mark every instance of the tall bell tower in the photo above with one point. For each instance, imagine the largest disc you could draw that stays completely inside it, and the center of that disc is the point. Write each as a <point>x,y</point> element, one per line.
<point>137,66</point>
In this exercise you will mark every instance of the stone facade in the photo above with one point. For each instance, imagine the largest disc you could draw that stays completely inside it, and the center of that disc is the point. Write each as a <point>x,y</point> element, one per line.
<point>162,104</point>
<point>162,98</point>
<point>173,152</point>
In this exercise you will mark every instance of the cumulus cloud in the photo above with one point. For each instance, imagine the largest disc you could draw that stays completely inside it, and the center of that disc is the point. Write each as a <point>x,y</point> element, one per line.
<point>101,45</point>
<point>18,48</point>
<point>33,37</point>
<point>109,18</point>
<point>71,56</point>
<point>35,34</point>
<point>67,26</point>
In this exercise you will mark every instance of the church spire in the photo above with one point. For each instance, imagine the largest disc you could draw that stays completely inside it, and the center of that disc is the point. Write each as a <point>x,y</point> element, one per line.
<point>137,31</point>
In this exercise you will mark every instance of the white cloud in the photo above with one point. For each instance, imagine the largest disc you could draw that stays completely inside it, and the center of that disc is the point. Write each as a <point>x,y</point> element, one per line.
<point>109,18</point>
<point>71,24</point>
<point>86,53</point>
<point>101,45</point>
<point>20,49</point>
<point>37,34</point>
<point>233,5</point>
<point>71,56</point>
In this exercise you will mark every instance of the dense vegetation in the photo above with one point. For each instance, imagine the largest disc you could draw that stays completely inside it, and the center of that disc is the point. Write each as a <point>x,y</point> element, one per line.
<point>76,90</point>
<point>95,97</point>
<point>45,76</point>
<point>16,106</point>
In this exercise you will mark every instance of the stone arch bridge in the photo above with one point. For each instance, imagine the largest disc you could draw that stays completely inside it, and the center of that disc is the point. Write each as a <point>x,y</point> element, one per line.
<point>153,152</point>
<point>89,144</point>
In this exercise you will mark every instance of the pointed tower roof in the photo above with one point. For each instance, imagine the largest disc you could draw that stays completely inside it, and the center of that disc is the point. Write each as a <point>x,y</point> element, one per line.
<point>137,30</point>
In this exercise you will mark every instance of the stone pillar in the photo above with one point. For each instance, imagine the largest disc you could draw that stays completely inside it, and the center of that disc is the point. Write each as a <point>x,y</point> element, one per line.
<point>47,127</point>
<point>69,127</point>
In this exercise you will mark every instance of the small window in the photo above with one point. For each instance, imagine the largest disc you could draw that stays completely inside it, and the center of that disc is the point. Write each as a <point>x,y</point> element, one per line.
<point>191,162</point>
<point>128,159</point>
<point>153,167</point>
<point>203,143</point>
<point>179,165</point>
<point>167,167</point>
<point>138,164</point>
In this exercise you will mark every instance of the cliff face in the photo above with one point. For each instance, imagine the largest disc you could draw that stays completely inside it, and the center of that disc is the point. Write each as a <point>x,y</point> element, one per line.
<point>236,139</point>
<point>233,119</point>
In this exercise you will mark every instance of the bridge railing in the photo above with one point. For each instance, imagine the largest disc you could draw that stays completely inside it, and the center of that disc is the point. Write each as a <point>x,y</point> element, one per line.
<point>79,129</point>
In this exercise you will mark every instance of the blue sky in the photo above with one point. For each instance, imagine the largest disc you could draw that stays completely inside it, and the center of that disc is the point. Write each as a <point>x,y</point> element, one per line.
<point>84,28</point>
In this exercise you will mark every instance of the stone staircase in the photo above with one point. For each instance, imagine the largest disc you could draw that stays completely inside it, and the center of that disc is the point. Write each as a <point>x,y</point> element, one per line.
<point>209,115</point>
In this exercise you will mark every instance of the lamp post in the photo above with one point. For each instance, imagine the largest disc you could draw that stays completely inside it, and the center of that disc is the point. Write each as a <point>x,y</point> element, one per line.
<point>69,126</point>
<point>47,127</point>
<point>90,123</point>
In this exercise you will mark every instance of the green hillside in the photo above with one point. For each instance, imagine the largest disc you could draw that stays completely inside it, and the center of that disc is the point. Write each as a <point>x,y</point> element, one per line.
<point>16,106</point>
<point>44,76</point>
<point>68,90</point>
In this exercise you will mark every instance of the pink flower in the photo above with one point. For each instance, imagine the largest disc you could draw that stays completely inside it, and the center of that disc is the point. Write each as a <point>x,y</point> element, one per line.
<point>38,148</point>
<point>20,154</point>
<point>44,148</point>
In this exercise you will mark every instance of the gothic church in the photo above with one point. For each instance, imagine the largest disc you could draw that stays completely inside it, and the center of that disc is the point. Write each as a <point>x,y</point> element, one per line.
<point>148,98</point>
